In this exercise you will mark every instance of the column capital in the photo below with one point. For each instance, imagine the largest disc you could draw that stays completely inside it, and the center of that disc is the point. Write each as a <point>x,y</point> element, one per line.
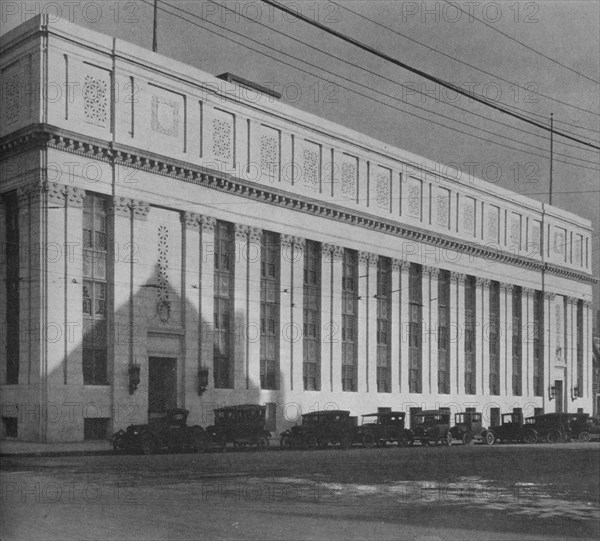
<point>587,304</point>
<point>122,206</point>
<point>326,251</point>
<point>572,300</point>
<point>140,210</point>
<point>55,192</point>
<point>74,196</point>
<point>433,272</point>
<point>483,282</point>
<point>256,234</point>
<point>337,253</point>
<point>373,260</point>
<point>457,278</point>
<point>191,220</point>
<point>286,241</point>
<point>241,231</point>
<point>207,223</point>
<point>508,288</point>
<point>548,295</point>
<point>299,243</point>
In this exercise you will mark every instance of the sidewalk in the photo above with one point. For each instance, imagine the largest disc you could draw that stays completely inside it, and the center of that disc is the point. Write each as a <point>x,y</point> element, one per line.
<point>26,448</point>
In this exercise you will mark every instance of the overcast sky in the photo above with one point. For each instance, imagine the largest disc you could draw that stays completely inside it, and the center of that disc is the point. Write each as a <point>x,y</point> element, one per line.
<point>566,31</point>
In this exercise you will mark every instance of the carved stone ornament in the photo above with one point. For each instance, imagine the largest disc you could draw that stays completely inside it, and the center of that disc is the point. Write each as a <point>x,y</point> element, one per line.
<point>483,282</point>
<point>191,220</point>
<point>373,259</point>
<point>363,257</point>
<point>241,231</point>
<point>74,196</point>
<point>208,223</point>
<point>337,253</point>
<point>141,210</point>
<point>122,206</point>
<point>256,234</point>
<point>56,193</point>
<point>548,295</point>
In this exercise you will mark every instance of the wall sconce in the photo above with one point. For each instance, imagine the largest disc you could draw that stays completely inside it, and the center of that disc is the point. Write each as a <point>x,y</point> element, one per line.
<point>575,393</point>
<point>202,379</point>
<point>551,393</point>
<point>134,377</point>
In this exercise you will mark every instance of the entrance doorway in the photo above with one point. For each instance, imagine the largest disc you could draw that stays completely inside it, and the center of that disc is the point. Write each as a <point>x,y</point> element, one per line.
<point>558,395</point>
<point>162,384</point>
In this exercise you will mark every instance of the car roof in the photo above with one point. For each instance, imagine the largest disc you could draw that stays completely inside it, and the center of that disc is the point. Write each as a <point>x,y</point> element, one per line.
<point>379,414</point>
<point>240,407</point>
<point>325,412</point>
<point>432,412</point>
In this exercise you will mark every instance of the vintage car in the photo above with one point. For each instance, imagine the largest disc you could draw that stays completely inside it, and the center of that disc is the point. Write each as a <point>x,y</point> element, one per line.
<point>512,429</point>
<point>381,428</point>
<point>594,424</point>
<point>578,427</point>
<point>242,425</point>
<point>468,428</point>
<point>318,429</point>
<point>168,431</point>
<point>432,426</point>
<point>549,427</point>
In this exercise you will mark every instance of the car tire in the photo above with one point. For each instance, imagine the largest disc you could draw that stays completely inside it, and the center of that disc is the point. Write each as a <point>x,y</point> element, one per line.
<point>148,444</point>
<point>447,441</point>
<point>467,438</point>
<point>530,437</point>
<point>425,443</point>
<point>346,442</point>
<point>554,436</point>
<point>584,436</point>
<point>368,440</point>
<point>198,440</point>
<point>322,444</point>
<point>263,443</point>
<point>222,443</point>
<point>285,442</point>
<point>489,438</point>
<point>310,442</point>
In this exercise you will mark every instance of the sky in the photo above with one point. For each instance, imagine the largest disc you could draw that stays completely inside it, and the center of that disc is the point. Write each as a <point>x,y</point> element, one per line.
<point>554,69</point>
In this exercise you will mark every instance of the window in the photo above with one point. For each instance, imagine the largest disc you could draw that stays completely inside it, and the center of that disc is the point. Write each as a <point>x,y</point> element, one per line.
<point>470,322</point>
<point>269,311</point>
<point>95,428</point>
<point>538,344</point>
<point>349,320</point>
<point>494,338</point>
<point>384,330</point>
<point>94,290</point>
<point>311,369</point>
<point>443,296</point>
<point>517,342</point>
<point>12,253</point>
<point>415,303</point>
<point>223,305</point>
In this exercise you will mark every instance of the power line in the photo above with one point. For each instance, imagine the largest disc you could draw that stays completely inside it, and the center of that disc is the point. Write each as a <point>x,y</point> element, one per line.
<point>523,44</point>
<point>368,88</point>
<point>423,74</point>
<point>466,63</point>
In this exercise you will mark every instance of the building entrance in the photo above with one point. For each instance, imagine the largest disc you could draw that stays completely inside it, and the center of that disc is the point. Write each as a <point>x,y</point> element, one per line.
<point>558,395</point>
<point>162,384</point>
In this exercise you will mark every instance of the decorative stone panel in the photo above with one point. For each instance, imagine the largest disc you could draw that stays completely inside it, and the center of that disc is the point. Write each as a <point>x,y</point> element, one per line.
<point>165,116</point>
<point>383,188</point>
<point>443,208</point>
<point>515,231</point>
<point>349,176</point>
<point>493,218</point>
<point>162,274</point>
<point>269,154</point>
<point>11,91</point>
<point>311,155</point>
<point>468,215</point>
<point>223,136</point>
<point>95,100</point>
<point>414,195</point>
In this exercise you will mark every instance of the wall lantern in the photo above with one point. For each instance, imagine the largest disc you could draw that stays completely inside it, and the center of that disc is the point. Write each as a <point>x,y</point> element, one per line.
<point>575,393</point>
<point>134,377</point>
<point>551,393</point>
<point>202,379</point>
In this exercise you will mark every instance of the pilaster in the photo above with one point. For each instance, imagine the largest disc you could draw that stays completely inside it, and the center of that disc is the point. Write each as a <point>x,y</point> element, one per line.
<point>483,351</point>
<point>549,348</point>
<point>253,351</point>
<point>405,332</point>
<point>460,279</point>
<point>432,332</point>
<point>241,319</point>
<point>296,328</point>
<point>396,328</point>
<point>3,299</point>
<point>363,323</point>
<point>207,295</point>
<point>505,333</point>
<point>327,329</point>
<point>587,389</point>
<point>337,253</point>
<point>371,325</point>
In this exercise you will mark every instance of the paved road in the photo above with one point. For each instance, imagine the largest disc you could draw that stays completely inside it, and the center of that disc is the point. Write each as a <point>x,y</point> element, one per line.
<point>478,492</point>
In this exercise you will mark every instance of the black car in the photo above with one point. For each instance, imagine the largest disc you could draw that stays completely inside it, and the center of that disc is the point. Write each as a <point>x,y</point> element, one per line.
<point>381,428</point>
<point>513,429</point>
<point>550,427</point>
<point>578,427</point>
<point>432,426</point>
<point>242,425</point>
<point>468,427</point>
<point>168,431</point>
<point>318,429</point>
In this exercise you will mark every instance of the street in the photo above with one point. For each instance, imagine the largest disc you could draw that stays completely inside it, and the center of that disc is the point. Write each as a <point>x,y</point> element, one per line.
<point>476,492</point>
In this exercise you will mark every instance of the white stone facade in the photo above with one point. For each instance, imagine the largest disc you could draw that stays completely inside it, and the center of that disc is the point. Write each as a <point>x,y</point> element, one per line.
<point>172,154</point>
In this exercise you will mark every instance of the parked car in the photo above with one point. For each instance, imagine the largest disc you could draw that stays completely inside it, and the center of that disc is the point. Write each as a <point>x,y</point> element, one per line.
<point>594,424</point>
<point>319,429</point>
<point>432,426</point>
<point>578,427</point>
<point>512,429</point>
<point>168,432</point>
<point>242,425</point>
<point>381,428</point>
<point>550,427</point>
<point>468,427</point>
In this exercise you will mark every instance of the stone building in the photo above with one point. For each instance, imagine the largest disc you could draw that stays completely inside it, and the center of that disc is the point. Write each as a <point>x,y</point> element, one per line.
<point>173,238</point>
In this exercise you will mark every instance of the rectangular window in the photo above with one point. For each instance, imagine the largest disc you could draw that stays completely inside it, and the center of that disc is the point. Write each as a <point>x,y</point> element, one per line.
<point>470,327</point>
<point>517,342</point>
<point>415,304</point>
<point>538,344</point>
<point>384,325</point>
<point>94,290</point>
<point>13,260</point>
<point>349,320</point>
<point>311,369</point>
<point>443,295</point>
<point>494,338</point>
<point>223,305</point>
<point>269,311</point>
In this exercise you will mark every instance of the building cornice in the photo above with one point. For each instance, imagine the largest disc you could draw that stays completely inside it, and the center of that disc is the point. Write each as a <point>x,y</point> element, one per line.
<point>46,136</point>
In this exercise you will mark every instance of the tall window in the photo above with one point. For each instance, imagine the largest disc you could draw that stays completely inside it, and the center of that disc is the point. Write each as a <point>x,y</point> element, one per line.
<point>311,369</point>
<point>269,311</point>
<point>349,320</point>
<point>494,338</point>
<point>580,346</point>
<point>95,245</point>
<point>517,342</point>
<point>11,251</point>
<point>470,288</point>
<point>384,325</point>
<point>538,344</point>
<point>443,295</point>
<point>415,305</point>
<point>223,305</point>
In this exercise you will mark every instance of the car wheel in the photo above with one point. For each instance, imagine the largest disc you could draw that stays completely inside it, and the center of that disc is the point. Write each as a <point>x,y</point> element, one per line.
<point>584,436</point>
<point>222,444</point>
<point>322,444</point>
<point>148,444</point>
<point>368,440</point>
<point>263,443</point>
<point>489,438</point>
<point>553,436</point>
<point>285,442</point>
<point>530,437</point>
<point>467,438</point>
<point>425,443</point>
<point>447,440</point>
<point>346,442</point>
<point>310,441</point>
<point>198,441</point>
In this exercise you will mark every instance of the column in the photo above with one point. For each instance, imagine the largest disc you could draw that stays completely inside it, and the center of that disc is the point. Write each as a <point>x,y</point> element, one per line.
<point>73,283</point>
<point>253,351</point>
<point>327,334</point>
<point>286,320</point>
<point>404,329</point>
<point>336,317</point>
<point>396,328</point>
<point>207,296</point>
<point>296,331</point>
<point>27,322</point>
<point>571,348</point>
<point>3,300</point>
<point>485,342</point>
<point>587,390</point>
<point>549,351</point>
<point>371,325</point>
<point>426,330</point>
<point>363,323</point>
<point>480,327</point>
<point>240,303</point>
<point>506,345</point>
<point>191,307</point>
<point>453,334</point>
<point>460,340</point>
<point>433,330</point>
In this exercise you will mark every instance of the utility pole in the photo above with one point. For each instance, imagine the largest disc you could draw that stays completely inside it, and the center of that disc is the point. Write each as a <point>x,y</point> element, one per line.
<point>154,41</point>
<point>551,152</point>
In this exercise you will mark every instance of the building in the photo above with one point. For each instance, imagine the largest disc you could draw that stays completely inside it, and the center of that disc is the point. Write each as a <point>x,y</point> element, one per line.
<point>173,238</point>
